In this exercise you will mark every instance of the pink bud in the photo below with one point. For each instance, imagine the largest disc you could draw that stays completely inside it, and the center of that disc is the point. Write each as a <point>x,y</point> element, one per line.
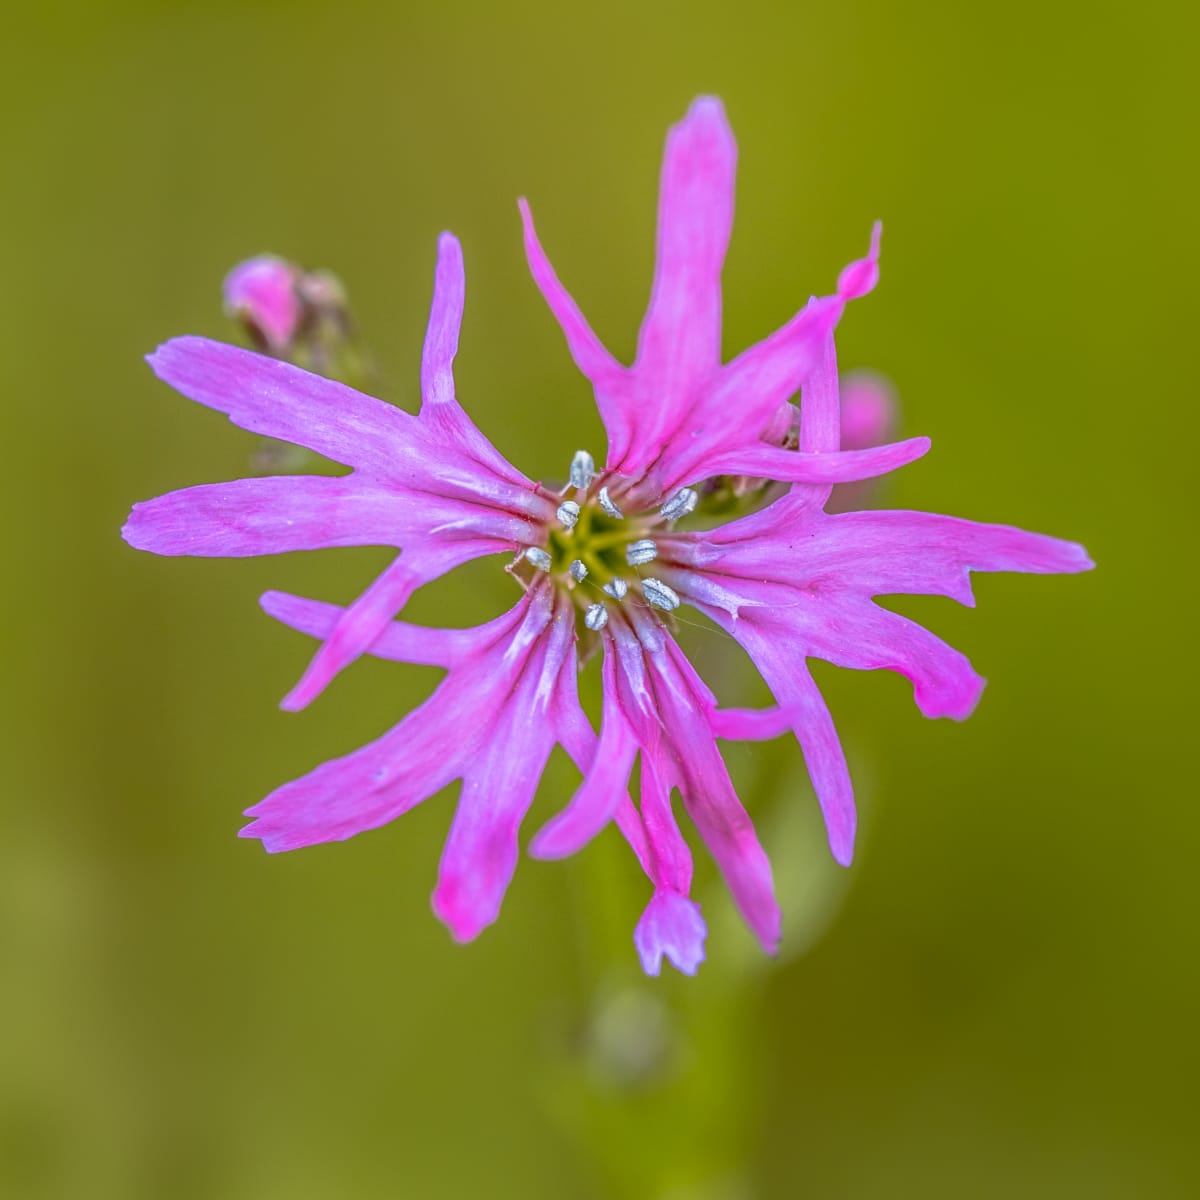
<point>263,294</point>
<point>869,412</point>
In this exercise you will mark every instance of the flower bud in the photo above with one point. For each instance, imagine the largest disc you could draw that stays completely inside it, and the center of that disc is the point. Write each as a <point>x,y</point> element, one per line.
<point>869,412</point>
<point>263,294</point>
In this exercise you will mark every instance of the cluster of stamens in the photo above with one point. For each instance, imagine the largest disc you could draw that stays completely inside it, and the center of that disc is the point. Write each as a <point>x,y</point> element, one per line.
<point>595,545</point>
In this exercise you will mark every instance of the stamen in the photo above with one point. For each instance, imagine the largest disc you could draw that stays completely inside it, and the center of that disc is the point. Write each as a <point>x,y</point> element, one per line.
<point>609,507</point>
<point>596,617</point>
<point>583,469</point>
<point>658,594</point>
<point>616,588</point>
<point>680,504</point>
<point>568,513</point>
<point>539,557</point>
<point>578,571</point>
<point>643,551</point>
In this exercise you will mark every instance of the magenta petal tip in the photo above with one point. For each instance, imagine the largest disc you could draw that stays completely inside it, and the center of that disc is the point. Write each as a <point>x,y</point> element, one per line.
<point>861,276</point>
<point>672,927</point>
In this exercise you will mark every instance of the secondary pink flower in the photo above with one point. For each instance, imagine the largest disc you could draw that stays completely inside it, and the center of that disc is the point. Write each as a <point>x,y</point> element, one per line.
<point>603,565</point>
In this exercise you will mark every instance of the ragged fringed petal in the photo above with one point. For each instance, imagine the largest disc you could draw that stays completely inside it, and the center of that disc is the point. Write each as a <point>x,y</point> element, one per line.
<point>842,628</point>
<point>888,552</point>
<point>509,697</point>
<point>364,620</point>
<point>679,748</point>
<point>274,399</point>
<point>384,779</point>
<point>428,749</point>
<point>679,347</point>
<point>586,348</point>
<point>604,785</point>
<point>671,927</point>
<point>750,724</point>
<point>481,852</point>
<point>452,433</point>
<point>399,642</point>
<point>783,667</point>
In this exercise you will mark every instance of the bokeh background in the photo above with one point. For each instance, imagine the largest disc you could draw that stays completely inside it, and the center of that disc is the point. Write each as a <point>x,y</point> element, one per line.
<point>998,999</point>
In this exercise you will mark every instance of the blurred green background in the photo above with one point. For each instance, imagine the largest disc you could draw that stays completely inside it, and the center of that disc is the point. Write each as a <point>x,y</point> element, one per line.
<point>998,999</point>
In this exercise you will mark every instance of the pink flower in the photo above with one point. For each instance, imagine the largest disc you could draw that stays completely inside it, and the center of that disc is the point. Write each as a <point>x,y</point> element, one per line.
<point>264,294</point>
<point>602,564</point>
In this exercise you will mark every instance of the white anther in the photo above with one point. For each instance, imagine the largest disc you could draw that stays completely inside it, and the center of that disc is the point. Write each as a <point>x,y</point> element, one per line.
<point>608,506</point>
<point>616,588</point>
<point>596,617</point>
<point>578,571</point>
<point>644,551</point>
<point>583,469</point>
<point>680,504</point>
<point>539,557</point>
<point>658,594</point>
<point>568,513</point>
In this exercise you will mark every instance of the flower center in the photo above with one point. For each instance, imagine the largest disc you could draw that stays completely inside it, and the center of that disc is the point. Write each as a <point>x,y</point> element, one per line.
<point>599,554</point>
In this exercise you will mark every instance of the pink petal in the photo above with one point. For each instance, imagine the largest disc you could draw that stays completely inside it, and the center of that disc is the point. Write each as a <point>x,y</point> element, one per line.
<point>894,551</point>
<point>277,400</point>
<point>371,613</point>
<point>604,785</point>
<point>445,320</point>
<point>671,924</point>
<point>589,354</point>
<point>820,405</point>
<point>750,725</point>
<point>481,852</point>
<point>272,515</point>
<point>845,466</point>
<point>384,779</point>
<point>842,628</point>
<point>399,642</point>
<point>669,858</point>
<point>437,743</point>
<point>679,749</point>
<point>790,682</point>
<point>680,342</point>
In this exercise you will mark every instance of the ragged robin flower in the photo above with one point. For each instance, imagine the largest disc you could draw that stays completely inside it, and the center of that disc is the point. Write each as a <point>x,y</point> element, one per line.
<point>603,565</point>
